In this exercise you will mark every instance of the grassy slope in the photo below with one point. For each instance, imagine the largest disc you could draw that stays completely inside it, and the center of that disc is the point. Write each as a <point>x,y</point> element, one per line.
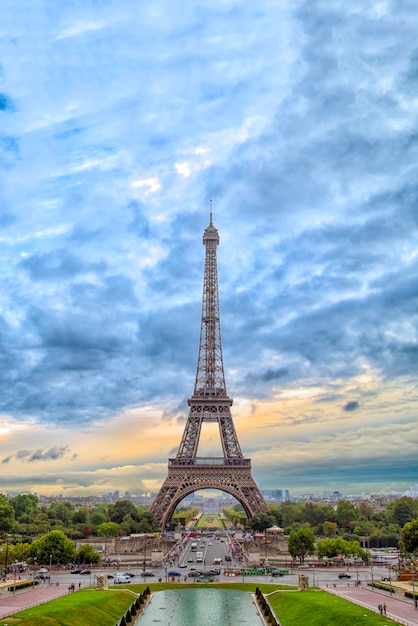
<point>104,608</point>
<point>84,608</point>
<point>318,608</point>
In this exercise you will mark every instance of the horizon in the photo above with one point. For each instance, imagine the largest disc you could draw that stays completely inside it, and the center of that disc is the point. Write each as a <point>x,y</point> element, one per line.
<point>119,124</point>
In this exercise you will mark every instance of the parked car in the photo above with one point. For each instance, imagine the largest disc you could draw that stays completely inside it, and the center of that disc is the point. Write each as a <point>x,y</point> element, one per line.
<point>344,575</point>
<point>277,572</point>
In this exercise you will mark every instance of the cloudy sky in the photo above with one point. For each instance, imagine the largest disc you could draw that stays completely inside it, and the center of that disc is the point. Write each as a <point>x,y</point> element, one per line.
<point>119,121</point>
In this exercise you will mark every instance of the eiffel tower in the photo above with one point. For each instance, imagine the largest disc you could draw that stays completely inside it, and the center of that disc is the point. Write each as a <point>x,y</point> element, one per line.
<point>188,472</point>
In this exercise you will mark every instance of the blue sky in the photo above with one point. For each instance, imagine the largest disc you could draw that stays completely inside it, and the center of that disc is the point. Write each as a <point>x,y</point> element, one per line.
<point>119,121</point>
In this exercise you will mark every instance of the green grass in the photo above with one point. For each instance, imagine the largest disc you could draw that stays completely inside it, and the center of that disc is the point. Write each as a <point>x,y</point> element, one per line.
<point>250,587</point>
<point>105,608</point>
<point>211,521</point>
<point>84,608</point>
<point>319,608</point>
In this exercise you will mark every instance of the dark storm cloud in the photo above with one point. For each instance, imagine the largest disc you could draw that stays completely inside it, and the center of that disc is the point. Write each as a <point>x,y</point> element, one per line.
<point>33,456</point>
<point>6,103</point>
<point>268,376</point>
<point>353,405</point>
<point>58,265</point>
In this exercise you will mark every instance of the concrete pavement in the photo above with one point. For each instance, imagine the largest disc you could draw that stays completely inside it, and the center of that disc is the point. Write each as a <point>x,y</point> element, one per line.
<point>402,611</point>
<point>11,603</point>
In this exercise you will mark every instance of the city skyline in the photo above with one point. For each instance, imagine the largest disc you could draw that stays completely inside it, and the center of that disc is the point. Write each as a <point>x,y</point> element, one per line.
<point>118,124</point>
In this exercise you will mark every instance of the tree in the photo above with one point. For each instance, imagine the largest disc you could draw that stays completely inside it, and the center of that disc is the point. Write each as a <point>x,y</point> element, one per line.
<point>24,506</point>
<point>262,521</point>
<point>334,547</point>
<point>409,537</point>
<point>346,514</point>
<point>108,529</point>
<point>86,554</point>
<point>7,517</point>
<point>62,511</point>
<point>301,543</point>
<point>292,513</point>
<point>402,511</point>
<point>121,508</point>
<point>329,529</point>
<point>81,516</point>
<point>55,547</point>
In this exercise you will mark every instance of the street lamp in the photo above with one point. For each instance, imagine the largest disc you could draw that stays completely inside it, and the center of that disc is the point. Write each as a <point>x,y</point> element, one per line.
<point>6,563</point>
<point>390,579</point>
<point>50,569</point>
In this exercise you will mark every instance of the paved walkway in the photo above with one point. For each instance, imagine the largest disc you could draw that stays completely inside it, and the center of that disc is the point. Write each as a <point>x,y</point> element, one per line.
<point>14,602</point>
<point>402,611</point>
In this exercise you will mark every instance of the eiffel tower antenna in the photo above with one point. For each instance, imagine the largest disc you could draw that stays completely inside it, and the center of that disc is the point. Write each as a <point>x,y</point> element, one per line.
<point>188,472</point>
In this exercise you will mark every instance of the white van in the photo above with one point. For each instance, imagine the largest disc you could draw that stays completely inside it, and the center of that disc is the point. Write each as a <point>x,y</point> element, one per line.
<point>122,578</point>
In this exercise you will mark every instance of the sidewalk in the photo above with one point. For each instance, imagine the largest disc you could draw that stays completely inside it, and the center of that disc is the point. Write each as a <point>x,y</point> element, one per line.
<point>402,611</point>
<point>24,599</point>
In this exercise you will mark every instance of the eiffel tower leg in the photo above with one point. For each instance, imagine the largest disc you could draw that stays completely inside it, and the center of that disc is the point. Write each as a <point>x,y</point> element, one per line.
<point>183,480</point>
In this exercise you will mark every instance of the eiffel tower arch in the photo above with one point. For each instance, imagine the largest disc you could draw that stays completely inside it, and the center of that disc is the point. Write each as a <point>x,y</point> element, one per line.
<point>188,472</point>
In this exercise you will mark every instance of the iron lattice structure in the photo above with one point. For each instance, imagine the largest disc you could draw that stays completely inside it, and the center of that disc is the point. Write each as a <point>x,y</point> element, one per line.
<point>209,403</point>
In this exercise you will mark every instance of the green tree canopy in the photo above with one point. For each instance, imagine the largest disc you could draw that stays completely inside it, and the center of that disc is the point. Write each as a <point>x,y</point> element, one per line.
<point>81,516</point>
<point>54,546</point>
<point>329,529</point>
<point>7,516</point>
<point>402,511</point>
<point>262,521</point>
<point>346,514</point>
<point>108,529</point>
<point>24,506</point>
<point>409,537</point>
<point>121,508</point>
<point>332,548</point>
<point>301,543</point>
<point>86,554</point>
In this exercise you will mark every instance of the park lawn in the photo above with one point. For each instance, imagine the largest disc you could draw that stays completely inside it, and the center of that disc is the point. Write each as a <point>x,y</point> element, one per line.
<point>314,608</point>
<point>84,608</point>
<point>210,521</point>
<point>233,586</point>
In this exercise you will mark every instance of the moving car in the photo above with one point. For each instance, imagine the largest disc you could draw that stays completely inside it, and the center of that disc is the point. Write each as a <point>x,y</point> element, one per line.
<point>277,572</point>
<point>121,578</point>
<point>173,574</point>
<point>85,571</point>
<point>344,575</point>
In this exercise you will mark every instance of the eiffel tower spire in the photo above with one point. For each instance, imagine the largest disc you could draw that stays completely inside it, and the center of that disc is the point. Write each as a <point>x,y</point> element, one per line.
<point>209,403</point>
<point>210,377</point>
